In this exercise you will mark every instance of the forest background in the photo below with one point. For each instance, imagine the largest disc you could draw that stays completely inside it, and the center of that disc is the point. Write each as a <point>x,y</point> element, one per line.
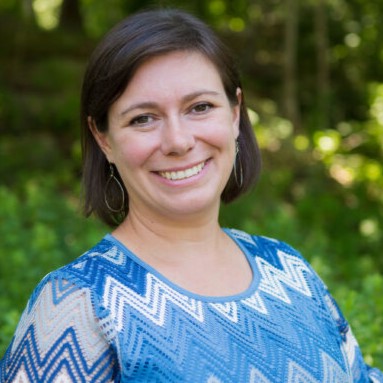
<point>313,75</point>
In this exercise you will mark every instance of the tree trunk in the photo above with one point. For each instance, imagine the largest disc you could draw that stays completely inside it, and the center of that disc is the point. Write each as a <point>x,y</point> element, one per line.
<point>291,101</point>
<point>70,16</point>
<point>20,37</point>
<point>323,70</point>
<point>27,12</point>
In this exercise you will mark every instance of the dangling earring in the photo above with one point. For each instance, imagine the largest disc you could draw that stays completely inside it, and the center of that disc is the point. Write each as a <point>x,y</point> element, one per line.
<point>113,178</point>
<point>238,163</point>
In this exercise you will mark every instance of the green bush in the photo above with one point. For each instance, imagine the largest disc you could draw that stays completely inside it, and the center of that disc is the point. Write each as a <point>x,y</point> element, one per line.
<point>42,230</point>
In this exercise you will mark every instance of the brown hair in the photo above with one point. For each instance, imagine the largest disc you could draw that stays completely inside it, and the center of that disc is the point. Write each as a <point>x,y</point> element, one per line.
<point>111,67</point>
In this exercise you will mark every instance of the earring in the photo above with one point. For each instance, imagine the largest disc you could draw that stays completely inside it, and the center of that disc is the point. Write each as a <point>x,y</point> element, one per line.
<point>238,164</point>
<point>113,178</point>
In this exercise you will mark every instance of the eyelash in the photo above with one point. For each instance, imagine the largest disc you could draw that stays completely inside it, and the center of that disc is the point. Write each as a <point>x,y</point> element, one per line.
<point>136,120</point>
<point>207,106</point>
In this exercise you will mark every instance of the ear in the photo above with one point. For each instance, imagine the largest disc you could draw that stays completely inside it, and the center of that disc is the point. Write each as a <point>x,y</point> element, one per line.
<point>237,113</point>
<point>101,139</point>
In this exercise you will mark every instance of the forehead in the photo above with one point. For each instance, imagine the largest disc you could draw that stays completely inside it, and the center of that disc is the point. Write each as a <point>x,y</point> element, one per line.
<point>190,62</point>
<point>172,74</point>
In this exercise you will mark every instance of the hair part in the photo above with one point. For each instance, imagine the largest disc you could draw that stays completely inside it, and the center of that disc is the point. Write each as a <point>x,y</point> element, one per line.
<point>113,64</point>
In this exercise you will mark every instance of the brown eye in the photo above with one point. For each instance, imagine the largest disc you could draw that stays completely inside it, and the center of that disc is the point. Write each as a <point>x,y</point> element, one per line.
<point>141,120</point>
<point>202,107</point>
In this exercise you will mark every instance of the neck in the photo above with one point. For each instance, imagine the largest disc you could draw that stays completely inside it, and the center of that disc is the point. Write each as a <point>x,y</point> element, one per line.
<point>166,238</point>
<point>194,254</point>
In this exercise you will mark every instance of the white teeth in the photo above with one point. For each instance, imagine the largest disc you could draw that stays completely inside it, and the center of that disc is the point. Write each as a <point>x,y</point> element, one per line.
<point>180,175</point>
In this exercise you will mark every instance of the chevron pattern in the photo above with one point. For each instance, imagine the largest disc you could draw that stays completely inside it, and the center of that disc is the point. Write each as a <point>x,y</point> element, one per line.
<point>58,342</point>
<point>107,318</point>
<point>152,305</point>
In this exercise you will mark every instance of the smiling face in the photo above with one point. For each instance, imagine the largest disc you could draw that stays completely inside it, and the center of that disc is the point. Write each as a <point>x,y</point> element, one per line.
<point>171,135</point>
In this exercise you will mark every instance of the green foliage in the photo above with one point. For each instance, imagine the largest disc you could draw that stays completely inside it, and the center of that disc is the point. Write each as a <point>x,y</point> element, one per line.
<point>363,308</point>
<point>41,230</point>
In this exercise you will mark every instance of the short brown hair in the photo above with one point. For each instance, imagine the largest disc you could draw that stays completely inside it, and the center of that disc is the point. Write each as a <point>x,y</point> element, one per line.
<point>113,64</point>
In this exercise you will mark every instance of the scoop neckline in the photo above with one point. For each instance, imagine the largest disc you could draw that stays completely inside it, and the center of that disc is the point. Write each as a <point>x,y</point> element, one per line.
<point>247,293</point>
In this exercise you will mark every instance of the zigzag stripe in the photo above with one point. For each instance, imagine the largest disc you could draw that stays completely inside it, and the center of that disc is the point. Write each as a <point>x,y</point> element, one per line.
<point>292,275</point>
<point>49,320</point>
<point>257,303</point>
<point>152,305</point>
<point>229,310</point>
<point>162,334</point>
<point>241,235</point>
<point>114,255</point>
<point>332,372</point>
<point>213,379</point>
<point>144,340</point>
<point>229,364</point>
<point>156,309</point>
<point>21,377</point>
<point>296,335</point>
<point>267,346</point>
<point>59,340</point>
<point>271,277</point>
<point>297,374</point>
<point>299,334</point>
<point>351,347</point>
<point>257,377</point>
<point>64,359</point>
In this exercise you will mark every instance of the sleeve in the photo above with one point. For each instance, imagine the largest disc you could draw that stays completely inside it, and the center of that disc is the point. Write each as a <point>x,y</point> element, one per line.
<point>59,338</point>
<point>361,372</point>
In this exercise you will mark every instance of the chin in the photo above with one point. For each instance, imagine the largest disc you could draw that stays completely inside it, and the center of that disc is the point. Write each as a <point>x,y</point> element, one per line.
<point>195,207</point>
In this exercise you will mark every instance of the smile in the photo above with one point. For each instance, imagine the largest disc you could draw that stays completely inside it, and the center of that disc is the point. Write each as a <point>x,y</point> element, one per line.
<point>182,174</point>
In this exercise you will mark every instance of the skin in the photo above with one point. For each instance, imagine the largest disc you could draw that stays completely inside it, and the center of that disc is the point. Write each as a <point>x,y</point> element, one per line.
<point>174,115</point>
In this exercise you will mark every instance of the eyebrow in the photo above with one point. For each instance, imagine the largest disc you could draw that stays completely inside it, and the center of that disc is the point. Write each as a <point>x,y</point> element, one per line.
<point>152,105</point>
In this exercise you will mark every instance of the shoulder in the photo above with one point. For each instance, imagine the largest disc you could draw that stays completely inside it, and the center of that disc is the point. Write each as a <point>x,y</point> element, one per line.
<point>81,273</point>
<point>73,290</point>
<point>262,246</point>
<point>277,260</point>
<point>104,255</point>
<point>64,327</point>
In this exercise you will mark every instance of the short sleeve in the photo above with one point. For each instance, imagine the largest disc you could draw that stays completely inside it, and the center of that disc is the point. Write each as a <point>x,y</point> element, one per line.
<point>359,369</point>
<point>59,338</point>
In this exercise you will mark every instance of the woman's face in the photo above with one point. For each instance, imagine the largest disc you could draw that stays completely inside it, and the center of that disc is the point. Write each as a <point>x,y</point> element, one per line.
<point>171,135</point>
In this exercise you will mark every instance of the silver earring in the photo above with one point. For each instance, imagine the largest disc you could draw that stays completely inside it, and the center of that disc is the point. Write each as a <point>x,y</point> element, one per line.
<point>113,178</point>
<point>238,171</point>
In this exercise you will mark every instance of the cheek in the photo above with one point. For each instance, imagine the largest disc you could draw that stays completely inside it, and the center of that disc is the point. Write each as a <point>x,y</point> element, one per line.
<point>132,151</point>
<point>222,133</point>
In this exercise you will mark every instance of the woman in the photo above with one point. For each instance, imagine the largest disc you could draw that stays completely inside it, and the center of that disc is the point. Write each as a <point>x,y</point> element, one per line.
<point>170,296</point>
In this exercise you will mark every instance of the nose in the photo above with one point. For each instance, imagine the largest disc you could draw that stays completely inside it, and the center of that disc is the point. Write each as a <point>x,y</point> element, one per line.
<point>177,137</point>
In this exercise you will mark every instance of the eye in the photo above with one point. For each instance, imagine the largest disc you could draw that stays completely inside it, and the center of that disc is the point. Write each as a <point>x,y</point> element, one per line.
<point>143,119</point>
<point>202,107</point>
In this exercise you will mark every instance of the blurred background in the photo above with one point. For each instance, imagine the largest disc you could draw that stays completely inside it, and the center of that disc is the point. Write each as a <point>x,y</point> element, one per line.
<point>313,77</point>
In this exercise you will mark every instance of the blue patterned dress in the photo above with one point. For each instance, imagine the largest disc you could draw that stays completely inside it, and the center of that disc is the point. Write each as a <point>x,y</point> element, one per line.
<point>109,317</point>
